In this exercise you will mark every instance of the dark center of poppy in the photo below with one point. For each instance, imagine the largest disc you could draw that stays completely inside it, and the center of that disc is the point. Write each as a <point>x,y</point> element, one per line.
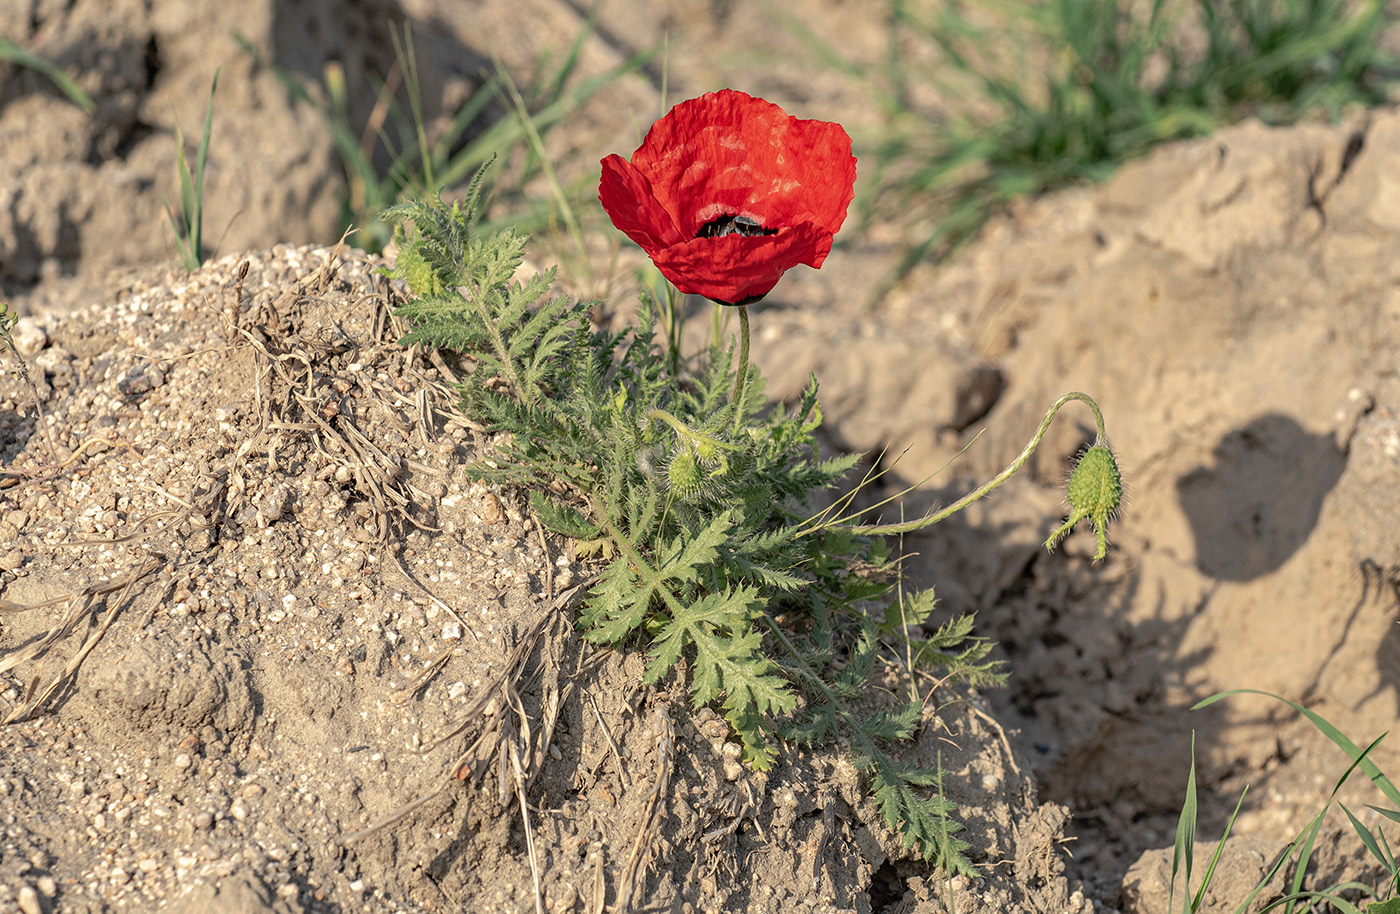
<point>733,225</point>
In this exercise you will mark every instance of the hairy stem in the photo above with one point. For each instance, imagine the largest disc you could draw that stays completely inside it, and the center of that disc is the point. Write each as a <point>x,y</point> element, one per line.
<point>1011,470</point>
<point>741,379</point>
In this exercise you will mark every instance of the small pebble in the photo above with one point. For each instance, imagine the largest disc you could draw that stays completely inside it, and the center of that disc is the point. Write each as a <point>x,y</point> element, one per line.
<point>29,900</point>
<point>28,336</point>
<point>53,359</point>
<point>491,510</point>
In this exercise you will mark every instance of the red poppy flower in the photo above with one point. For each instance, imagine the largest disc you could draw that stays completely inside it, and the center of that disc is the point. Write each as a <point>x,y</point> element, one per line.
<point>728,192</point>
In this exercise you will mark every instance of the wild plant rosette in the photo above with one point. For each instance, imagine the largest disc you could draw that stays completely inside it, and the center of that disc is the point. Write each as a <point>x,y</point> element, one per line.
<point>695,500</point>
<point>728,192</point>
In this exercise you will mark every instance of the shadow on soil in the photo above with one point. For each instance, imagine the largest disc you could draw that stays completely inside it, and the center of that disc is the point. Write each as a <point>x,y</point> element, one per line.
<point>1260,501</point>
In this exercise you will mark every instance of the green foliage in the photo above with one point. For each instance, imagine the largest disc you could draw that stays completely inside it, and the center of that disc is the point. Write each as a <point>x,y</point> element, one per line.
<point>1291,893</point>
<point>1029,95</point>
<point>189,227</point>
<point>697,507</point>
<point>398,156</point>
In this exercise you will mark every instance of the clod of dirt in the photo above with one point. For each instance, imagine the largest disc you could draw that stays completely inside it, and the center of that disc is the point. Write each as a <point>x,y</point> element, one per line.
<point>1147,885</point>
<point>161,682</point>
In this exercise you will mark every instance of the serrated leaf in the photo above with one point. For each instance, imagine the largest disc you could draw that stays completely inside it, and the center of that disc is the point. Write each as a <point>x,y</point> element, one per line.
<point>748,726</point>
<point>717,612</point>
<point>602,547</point>
<point>680,559</point>
<point>894,725</point>
<point>813,727</point>
<point>562,519</point>
<point>923,822</point>
<point>617,604</point>
<point>913,610</point>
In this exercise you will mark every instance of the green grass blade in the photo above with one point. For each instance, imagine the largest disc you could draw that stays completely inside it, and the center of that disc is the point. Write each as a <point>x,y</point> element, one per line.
<point>1184,850</point>
<point>1305,853</point>
<point>1368,839</point>
<point>181,246</point>
<point>1390,814</point>
<point>1382,782</point>
<point>1279,861</point>
<point>1341,904</point>
<point>195,206</point>
<point>16,54</point>
<point>1219,849</point>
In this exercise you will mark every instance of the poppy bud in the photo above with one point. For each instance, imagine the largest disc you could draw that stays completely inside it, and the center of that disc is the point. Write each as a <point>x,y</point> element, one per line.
<point>1095,490</point>
<point>684,474</point>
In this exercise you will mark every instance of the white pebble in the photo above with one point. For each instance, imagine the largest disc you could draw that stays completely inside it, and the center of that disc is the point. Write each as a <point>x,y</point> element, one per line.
<point>29,901</point>
<point>29,337</point>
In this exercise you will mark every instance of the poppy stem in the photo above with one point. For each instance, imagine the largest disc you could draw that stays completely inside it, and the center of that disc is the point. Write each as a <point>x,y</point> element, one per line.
<point>930,519</point>
<point>742,378</point>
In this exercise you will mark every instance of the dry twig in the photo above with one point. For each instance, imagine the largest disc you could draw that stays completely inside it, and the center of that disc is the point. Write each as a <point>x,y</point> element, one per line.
<point>83,604</point>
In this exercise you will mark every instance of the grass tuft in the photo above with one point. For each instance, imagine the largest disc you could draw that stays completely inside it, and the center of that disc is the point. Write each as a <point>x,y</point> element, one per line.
<point>189,226</point>
<point>1292,865</point>
<point>1030,96</point>
<point>395,157</point>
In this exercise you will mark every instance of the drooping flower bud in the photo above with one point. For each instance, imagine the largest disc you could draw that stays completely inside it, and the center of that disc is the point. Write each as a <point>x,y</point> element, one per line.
<point>1095,491</point>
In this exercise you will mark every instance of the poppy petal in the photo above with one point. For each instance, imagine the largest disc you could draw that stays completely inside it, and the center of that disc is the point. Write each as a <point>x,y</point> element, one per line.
<point>629,200</point>
<point>750,156</point>
<point>736,269</point>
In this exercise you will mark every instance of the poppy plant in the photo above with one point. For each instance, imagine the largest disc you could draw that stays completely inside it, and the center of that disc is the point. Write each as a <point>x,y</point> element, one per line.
<point>728,192</point>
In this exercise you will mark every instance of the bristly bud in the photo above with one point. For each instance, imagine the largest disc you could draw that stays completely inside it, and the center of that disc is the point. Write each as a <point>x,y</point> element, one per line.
<point>684,474</point>
<point>1095,491</point>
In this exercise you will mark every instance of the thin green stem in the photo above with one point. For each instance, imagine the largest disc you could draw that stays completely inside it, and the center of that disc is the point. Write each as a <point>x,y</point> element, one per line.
<point>741,380</point>
<point>1011,470</point>
<point>800,665</point>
